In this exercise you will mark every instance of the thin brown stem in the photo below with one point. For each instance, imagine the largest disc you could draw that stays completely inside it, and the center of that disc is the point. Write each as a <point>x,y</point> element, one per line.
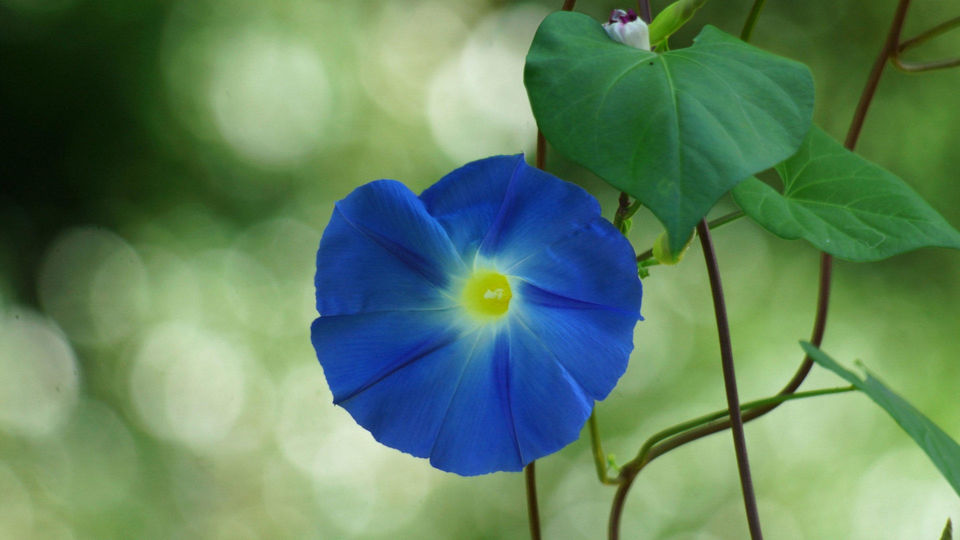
<point>629,471</point>
<point>826,263</point>
<point>919,67</point>
<point>533,508</point>
<point>819,328</point>
<point>712,224</point>
<point>873,80</point>
<point>541,157</point>
<point>644,11</point>
<point>623,207</point>
<point>530,471</point>
<point>730,380</point>
<point>926,35</point>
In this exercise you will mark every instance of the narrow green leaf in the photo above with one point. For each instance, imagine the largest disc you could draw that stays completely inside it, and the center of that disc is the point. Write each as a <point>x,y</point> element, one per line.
<point>942,450</point>
<point>844,205</point>
<point>947,533</point>
<point>676,130</point>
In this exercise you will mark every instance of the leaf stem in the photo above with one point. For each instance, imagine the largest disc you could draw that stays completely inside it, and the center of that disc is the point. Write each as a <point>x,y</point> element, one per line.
<point>599,458</point>
<point>713,224</point>
<point>724,219</point>
<point>623,207</point>
<point>751,20</point>
<point>533,508</point>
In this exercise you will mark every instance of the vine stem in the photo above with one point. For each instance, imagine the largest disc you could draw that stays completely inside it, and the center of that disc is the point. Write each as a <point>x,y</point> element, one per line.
<point>596,447</point>
<point>533,508</point>
<point>751,20</point>
<point>923,37</point>
<point>730,381</point>
<point>624,210</point>
<point>926,35</point>
<point>643,457</point>
<point>629,471</point>
<point>530,471</point>
<point>917,67</point>
<point>826,261</point>
<point>712,224</point>
<point>644,8</point>
<point>890,46</point>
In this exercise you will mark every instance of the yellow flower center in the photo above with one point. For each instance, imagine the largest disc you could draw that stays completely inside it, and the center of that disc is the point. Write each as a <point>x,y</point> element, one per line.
<point>486,294</point>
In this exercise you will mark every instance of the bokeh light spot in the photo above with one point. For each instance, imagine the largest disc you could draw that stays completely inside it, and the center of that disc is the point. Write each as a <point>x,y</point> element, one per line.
<point>93,283</point>
<point>477,105</point>
<point>270,97</point>
<point>38,375</point>
<point>98,463</point>
<point>188,385</point>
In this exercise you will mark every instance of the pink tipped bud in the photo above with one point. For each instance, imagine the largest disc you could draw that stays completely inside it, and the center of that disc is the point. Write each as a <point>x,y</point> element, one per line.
<point>627,28</point>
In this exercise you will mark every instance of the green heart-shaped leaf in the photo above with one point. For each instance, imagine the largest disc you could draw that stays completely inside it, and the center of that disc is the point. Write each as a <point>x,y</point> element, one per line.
<point>844,205</point>
<point>675,130</point>
<point>943,451</point>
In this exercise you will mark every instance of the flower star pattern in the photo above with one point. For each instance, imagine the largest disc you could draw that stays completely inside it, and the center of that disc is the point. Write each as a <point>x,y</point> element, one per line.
<point>478,323</point>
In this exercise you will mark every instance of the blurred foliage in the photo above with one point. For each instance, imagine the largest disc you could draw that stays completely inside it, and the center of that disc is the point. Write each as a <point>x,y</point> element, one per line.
<point>168,169</point>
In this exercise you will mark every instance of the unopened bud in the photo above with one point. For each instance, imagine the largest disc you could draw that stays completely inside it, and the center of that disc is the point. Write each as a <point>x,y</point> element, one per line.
<point>629,29</point>
<point>663,253</point>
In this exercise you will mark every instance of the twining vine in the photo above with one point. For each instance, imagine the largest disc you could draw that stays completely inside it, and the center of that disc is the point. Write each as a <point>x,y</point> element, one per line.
<point>478,323</point>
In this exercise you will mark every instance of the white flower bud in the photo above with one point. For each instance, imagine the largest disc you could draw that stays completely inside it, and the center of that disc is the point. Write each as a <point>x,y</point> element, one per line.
<point>627,28</point>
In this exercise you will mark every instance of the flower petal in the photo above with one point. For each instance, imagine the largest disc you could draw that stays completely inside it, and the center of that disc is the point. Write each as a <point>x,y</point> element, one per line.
<point>593,265</point>
<point>504,207</point>
<point>538,209</point>
<point>421,386</point>
<point>547,404</point>
<point>466,201</point>
<point>359,350</point>
<point>405,402</point>
<point>592,343</point>
<point>383,251</point>
<point>478,434</point>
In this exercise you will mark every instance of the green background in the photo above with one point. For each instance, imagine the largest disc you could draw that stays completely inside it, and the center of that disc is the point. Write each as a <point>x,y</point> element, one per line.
<point>168,168</point>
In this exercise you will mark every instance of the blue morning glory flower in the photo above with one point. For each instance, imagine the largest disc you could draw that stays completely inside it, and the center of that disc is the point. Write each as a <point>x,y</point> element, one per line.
<point>478,323</point>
